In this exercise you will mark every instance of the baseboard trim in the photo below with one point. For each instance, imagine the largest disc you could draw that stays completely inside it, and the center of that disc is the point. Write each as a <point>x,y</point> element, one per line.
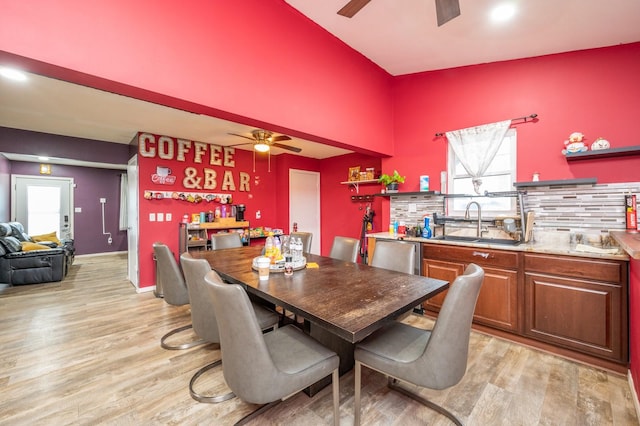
<point>636,404</point>
<point>107,253</point>
<point>145,289</point>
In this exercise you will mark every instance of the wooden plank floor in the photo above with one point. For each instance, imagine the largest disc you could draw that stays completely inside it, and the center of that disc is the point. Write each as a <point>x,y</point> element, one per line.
<point>86,351</point>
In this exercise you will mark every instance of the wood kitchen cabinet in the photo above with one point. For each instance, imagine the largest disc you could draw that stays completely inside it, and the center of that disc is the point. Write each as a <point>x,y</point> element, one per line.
<point>577,303</point>
<point>497,304</point>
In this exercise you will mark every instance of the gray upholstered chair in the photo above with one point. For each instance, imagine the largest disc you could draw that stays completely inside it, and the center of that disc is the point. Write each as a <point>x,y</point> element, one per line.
<point>174,290</point>
<point>265,369</point>
<point>435,359</point>
<point>306,238</point>
<point>223,240</point>
<point>345,248</point>
<point>393,255</point>
<point>203,316</point>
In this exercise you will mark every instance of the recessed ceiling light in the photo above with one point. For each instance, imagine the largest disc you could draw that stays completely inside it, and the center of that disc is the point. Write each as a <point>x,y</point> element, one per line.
<point>502,13</point>
<point>12,74</point>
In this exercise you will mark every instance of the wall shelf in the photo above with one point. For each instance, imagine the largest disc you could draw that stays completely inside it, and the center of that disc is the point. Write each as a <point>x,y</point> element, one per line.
<point>356,183</point>
<point>583,181</point>
<point>392,194</point>
<point>605,153</point>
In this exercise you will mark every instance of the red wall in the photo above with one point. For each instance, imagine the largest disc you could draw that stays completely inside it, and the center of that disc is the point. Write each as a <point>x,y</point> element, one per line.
<point>262,186</point>
<point>260,62</point>
<point>595,92</point>
<point>340,215</point>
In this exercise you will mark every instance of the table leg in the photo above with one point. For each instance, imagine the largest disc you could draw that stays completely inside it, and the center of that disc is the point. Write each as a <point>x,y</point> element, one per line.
<point>340,346</point>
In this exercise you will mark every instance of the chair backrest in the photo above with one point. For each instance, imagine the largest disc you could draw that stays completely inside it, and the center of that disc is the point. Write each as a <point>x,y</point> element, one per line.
<point>203,316</point>
<point>393,255</point>
<point>225,240</point>
<point>306,240</point>
<point>170,276</point>
<point>248,368</point>
<point>345,248</point>
<point>448,347</point>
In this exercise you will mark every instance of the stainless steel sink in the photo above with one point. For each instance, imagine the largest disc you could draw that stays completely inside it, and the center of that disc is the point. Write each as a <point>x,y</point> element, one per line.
<point>457,238</point>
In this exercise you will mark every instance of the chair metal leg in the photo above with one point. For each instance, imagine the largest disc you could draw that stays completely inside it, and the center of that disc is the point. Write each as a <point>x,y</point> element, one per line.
<point>203,398</point>
<point>335,379</point>
<point>393,384</point>
<point>358,383</point>
<point>183,345</point>
<point>252,415</point>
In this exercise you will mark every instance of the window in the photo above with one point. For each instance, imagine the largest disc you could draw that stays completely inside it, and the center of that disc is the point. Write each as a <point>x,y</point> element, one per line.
<point>498,178</point>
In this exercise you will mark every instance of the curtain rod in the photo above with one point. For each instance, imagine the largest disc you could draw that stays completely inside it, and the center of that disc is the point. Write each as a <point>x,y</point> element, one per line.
<point>525,118</point>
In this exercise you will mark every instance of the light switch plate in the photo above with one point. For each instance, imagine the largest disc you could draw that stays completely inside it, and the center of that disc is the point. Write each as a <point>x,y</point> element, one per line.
<point>167,217</point>
<point>152,217</point>
<point>160,217</point>
<point>77,210</point>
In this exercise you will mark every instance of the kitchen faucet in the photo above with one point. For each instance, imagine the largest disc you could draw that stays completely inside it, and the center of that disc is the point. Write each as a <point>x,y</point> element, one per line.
<point>466,216</point>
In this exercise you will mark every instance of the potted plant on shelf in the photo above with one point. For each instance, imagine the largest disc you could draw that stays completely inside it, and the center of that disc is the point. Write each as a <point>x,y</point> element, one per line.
<point>391,181</point>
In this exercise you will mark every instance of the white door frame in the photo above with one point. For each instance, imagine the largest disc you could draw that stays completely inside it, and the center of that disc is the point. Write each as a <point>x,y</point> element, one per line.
<point>304,204</point>
<point>132,223</point>
<point>63,234</point>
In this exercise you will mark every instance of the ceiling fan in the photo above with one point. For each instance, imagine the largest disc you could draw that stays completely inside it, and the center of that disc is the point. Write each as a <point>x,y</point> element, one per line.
<point>263,140</point>
<point>446,10</point>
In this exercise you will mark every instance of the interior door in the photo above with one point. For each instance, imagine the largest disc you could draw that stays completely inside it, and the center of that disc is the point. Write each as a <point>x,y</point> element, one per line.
<point>43,204</point>
<point>304,204</point>
<point>132,220</point>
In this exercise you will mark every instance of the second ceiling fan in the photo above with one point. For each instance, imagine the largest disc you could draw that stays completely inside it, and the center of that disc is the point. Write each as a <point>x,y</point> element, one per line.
<point>263,140</point>
<point>446,10</point>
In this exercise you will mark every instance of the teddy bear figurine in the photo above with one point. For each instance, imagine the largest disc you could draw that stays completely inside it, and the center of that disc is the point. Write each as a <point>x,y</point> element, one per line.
<point>575,144</point>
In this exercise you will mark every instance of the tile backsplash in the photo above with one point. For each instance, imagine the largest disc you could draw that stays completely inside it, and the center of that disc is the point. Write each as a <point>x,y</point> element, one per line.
<point>586,208</point>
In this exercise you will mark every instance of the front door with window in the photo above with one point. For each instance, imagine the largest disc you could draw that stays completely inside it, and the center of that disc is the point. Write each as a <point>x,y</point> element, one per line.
<point>43,204</point>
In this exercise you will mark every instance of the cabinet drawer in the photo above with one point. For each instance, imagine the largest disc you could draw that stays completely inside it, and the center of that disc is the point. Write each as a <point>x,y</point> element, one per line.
<point>568,266</point>
<point>480,256</point>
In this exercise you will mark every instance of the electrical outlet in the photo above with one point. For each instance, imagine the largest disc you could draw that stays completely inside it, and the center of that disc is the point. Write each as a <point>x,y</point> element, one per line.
<point>167,217</point>
<point>258,214</point>
<point>103,200</point>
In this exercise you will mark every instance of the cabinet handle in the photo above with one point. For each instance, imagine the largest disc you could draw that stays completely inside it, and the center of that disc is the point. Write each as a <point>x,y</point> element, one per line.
<point>481,254</point>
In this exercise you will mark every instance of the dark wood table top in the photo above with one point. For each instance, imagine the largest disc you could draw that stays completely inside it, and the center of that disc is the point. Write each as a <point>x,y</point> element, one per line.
<point>350,300</point>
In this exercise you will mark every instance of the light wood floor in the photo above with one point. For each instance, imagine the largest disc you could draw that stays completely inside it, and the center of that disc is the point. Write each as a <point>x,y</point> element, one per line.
<point>86,351</point>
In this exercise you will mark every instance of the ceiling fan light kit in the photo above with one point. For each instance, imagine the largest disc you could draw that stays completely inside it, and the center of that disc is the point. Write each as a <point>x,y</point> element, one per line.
<point>261,147</point>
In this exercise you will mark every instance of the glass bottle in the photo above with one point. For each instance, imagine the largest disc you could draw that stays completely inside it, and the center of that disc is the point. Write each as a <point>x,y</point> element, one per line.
<point>288,265</point>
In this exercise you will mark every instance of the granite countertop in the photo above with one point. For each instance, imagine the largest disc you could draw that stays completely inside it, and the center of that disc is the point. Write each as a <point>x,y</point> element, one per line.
<point>629,241</point>
<point>549,243</point>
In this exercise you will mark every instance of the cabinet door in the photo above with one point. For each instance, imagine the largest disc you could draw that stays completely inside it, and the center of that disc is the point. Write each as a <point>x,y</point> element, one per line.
<point>497,304</point>
<point>441,270</point>
<point>579,314</point>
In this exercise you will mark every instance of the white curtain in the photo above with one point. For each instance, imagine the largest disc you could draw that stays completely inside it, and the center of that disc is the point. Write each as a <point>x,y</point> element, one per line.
<point>476,147</point>
<point>123,202</point>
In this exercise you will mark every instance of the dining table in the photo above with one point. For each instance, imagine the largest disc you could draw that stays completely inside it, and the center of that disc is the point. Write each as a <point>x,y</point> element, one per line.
<point>341,302</point>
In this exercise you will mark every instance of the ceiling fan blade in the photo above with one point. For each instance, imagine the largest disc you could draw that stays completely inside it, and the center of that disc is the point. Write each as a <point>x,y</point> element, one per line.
<point>240,144</point>
<point>352,8</point>
<point>446,10</point>
<point>242,136</point>
<point>287,147</point>
<point>280,138</point>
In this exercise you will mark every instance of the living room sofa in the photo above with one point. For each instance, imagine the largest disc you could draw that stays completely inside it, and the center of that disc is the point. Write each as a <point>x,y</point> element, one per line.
<point>32,260</point>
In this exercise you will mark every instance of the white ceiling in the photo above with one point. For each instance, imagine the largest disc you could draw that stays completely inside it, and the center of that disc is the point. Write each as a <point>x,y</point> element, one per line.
<point>403,37</point>
<point>400,36</point>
